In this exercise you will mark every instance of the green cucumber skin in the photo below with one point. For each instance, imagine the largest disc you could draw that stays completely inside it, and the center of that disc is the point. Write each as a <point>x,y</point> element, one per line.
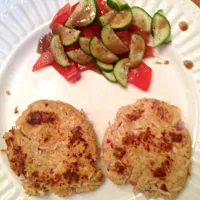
<point>55,57</point>
<point>110,80</point>
<point>168,40</point>
<point>70,44</point>
<point>114,27</point>
<point>125,26</point>
<point>120,49</point>
<point>94,37</point>
<point>124,85</point>
<point>143,41</point>
<point>144,11</point>
<point>89,53</point>
<point>102,68</point>
<point>92,21</point>
<point>152,27</point>
<point>70,55</point>
<point>117,7</point>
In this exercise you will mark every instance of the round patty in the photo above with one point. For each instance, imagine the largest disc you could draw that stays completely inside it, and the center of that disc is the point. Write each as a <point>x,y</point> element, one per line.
<point>149,147</point>
<point>54,147</point>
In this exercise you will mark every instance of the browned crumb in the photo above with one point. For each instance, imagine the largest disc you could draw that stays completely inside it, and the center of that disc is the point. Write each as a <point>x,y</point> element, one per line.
<point>16,111</point>
<point>188,64</point>
<point>158,62</point>
<point>166,62</point>
<point>8,92</point>
<point>3,150</point>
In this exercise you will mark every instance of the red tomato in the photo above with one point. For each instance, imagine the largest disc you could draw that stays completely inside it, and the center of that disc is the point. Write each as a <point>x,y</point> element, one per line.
<point>134,29</point>
<point>141,76</point>
<point>71,73</point>
<point>148,52</point>
<point>87,66</point>
<point>90,31</point>
<point>102,7</point>
<point>125,36</point>
<point>44,43</point>
<point>62,15</point>
<point>44,60</point>
<point>72,47</point>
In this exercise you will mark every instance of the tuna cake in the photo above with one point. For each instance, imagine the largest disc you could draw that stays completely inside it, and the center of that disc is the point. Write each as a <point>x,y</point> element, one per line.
<point>54,147</point>
<point>148,147</point>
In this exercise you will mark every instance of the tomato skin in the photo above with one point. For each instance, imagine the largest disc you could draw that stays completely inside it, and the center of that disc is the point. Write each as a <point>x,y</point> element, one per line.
<point>102,7</point>
<point>70,73</point>
<point>86,67</point>
<point>148,52</point>
<point>141,76</point>
<point>125,36</point>
<point>44,60</point>
<point>61,16</point>
<point>92,30</point>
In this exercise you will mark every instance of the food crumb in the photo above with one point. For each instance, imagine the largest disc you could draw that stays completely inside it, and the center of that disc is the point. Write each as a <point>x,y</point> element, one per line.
<point>183,26</point>
<point>3,150</point>
<point>16,111</point>
<point>8,92</point>
<point>166,62</point>
<point>158,62</point>
<point>188,64</point>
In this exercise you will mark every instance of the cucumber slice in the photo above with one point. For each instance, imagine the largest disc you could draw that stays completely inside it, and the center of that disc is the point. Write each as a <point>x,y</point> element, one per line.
<point>141,18</point>
<point>68,36</point>
<point>100,52</point>
<point>83,15</point>
<point>118,4</point>
<point>85,44</point>
<point>79,56</point>
<point>107,18</point>
<point>168,40</point>
<point>57,51</point>
<point>112,41</point>
<point>121,70</point>
<point>137,49</point>
<point>109,76</point>
<point>161,29</point>
<point>117,20</point>
<point>161,12</point>
<point>104,67</point>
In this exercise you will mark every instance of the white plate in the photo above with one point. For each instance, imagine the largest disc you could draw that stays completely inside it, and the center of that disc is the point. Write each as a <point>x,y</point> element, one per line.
<point>23,22</point>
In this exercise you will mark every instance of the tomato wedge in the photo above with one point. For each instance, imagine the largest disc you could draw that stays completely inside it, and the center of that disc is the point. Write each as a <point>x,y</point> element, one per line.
<point>125,36</point>
<point>44,60</point>
<point>71,73</point>
<point>88,66</point>
<point>92,30</point>
<point>148,52</point>
<point>102,7</point>
<point>141,76</point>
<point>62,15</point>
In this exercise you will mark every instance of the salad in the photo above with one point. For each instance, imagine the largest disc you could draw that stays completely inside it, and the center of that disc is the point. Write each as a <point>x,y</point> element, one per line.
<point>108,37</point>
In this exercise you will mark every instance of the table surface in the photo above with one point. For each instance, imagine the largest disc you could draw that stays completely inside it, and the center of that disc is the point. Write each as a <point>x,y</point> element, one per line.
<point>197,2</point>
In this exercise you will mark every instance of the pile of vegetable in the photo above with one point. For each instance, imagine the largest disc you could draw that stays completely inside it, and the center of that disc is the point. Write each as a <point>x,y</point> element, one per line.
<point>107,37</point>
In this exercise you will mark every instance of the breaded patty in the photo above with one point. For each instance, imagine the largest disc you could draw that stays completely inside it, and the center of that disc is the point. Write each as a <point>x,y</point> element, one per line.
<point>149,147</point>
<point>54,147</point>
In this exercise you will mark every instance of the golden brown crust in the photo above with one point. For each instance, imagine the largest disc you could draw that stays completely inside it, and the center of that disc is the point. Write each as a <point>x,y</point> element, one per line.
<point>54,147</point>
<point>149,147</point>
